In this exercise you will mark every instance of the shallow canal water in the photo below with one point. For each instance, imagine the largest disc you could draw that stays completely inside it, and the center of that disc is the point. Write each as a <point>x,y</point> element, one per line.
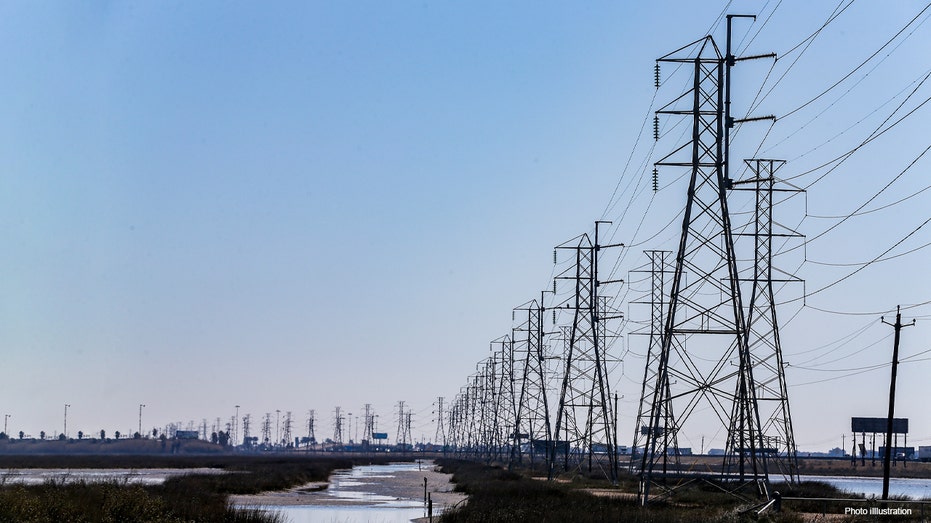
<point>131,476</point>
<point>358,496</point>
<point>914,488</point>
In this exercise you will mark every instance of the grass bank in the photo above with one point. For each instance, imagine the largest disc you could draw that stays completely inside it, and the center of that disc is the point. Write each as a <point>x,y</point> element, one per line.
<point>190,498</point>
<point>496,494</point>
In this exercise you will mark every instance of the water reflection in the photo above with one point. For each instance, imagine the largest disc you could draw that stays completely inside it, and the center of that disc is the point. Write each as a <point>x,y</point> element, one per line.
<point>358,496</point>
<point>914,488</point>
<point>348,514</point>
<point>131,476</point>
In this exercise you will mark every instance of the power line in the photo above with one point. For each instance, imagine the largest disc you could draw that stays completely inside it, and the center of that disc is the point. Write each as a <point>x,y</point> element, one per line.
<point>832,284</point>
<point>857,68</point>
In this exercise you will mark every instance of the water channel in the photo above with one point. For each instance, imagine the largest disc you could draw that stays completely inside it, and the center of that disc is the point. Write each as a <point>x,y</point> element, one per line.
<point>365,494</point>
<point>914,488</point>
<point>130,476</point>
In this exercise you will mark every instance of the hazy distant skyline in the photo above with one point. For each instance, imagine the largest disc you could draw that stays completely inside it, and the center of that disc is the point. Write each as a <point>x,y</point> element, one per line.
<point>304,205</point>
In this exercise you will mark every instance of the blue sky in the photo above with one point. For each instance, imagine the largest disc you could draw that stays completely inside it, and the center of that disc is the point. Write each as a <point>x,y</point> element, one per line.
<point>306,205</point>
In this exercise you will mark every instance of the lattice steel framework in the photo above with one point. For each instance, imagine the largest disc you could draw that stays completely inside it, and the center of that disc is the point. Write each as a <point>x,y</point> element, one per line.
<point>311,421</point>
<point>338,425</point>
<point>440,437</point>
<point>368,424</point>
<point>658,267</point>
<point>532,413</point>
<point>763,340</point>
<point>402,438</point>
<point>584,414</point>
<point>707,311</point>
<point>503,398</point>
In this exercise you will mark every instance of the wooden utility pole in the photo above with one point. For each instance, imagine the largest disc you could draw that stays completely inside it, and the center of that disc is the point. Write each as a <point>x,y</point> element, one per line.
<point>895,366</point>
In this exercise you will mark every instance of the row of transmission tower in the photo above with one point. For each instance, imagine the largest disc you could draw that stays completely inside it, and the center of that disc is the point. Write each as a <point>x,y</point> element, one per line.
<point>543,395</point>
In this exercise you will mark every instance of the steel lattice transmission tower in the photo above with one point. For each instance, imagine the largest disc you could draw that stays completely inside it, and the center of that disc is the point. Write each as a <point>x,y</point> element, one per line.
<point>503,398</point>
<point>762,332</point>
<point>267,428</point>
<point>658,267</point>
<point>338,426</point>
<point>532,415</point>
<point>404,427</point>
<point>246,421</point>
<point>584,414</point>
<point>440,437</point>
<point>369,425</point>
<point>311,421</point>
<point>489,430</point>
<point>407,426</point>
<point>706,309</point>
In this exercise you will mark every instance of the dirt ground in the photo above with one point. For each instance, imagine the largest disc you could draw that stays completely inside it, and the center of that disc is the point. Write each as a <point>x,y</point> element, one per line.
<point>401,485</point>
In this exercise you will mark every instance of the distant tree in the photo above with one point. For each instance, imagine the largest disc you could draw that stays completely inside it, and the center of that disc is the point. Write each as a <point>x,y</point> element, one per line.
<point>214,438</point>
<point>103,434</point>
<point>22,434</point>
<point>80,434</point>
<point>224,438</point>
<point>116,434</point>
<point>154,433</point>
<point>3,435</point>
<point>137,436</point>
<point>61,437</point>
<point>42,434</point>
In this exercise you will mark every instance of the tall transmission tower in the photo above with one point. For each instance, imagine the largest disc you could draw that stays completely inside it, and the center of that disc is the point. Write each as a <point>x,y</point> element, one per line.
<point>369,425</point>
<point>484,428</point>
<point>407,426</point>
<point>246,423</point>
<point>706,309</point>
<point>403,432</point>
<point>287,428</point>
<point>658,267</point>
<point>503,399</point>
<point>763,340</point>
<point>337,426</point>
<point>311,421</point>
<point>267,428</point>
<point>585,413</point>
<point>532,416</point>
<point>440,437</point>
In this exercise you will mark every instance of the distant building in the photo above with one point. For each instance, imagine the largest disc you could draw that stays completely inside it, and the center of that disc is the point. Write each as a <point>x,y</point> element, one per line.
<point>899,452</point>
<point>187,434</point>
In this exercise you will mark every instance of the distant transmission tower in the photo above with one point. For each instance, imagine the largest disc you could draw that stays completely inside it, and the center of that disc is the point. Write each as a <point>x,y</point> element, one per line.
<point>267,428</point>
<point>585,416</point>
<point>407,427</point>
<point>503,400</point>
<point>369,430</point>
<point>401,438</point>
<point>246,423</point>
<point>440,437</point>
<point>311,421</point>
<point>532,416</point>
<point>337,426</point>
<point>287,428</point>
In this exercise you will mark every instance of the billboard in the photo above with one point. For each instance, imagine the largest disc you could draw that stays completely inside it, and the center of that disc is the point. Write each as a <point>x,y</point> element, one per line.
<point>899,425</point>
